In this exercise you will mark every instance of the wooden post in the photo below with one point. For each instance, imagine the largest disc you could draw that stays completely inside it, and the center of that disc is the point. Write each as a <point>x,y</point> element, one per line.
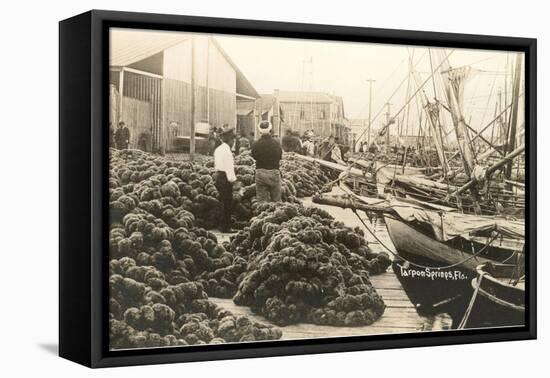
<point>120,93</point>
<point>162,125</point>
<point>256,121</point>
<point>279,116</point>
<point>207,83</point>
<point>192,136</point>
<point>329,121</point>
<point>370,81</point>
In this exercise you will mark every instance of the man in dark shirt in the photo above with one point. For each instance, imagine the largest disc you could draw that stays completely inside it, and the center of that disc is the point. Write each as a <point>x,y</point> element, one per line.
<point>122,136</point>
<point>290,143</point>
<point>268,153</point>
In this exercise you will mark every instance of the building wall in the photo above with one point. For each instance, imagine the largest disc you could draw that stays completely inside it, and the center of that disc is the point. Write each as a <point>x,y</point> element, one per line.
<point>139,118</point>
<point>215,91</point>
<point>177,110</point>
<point>304,116</point>
<point>177,62</point>
<point>170,99</point>
<point>246,124</point>
<point>141,105</point>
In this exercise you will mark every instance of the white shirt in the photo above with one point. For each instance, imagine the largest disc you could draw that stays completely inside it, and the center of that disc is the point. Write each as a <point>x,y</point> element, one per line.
<point>223,161</point>
<point>336,155</point>
<point>310,147</point>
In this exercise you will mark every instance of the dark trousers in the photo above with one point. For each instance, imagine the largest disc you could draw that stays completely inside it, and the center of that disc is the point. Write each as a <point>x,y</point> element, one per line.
<point>268,185</point>
<point>122,145</point>
<point>225,190</point>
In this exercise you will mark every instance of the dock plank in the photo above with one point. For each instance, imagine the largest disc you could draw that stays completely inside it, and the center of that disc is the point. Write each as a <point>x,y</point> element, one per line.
<point>386,324</point>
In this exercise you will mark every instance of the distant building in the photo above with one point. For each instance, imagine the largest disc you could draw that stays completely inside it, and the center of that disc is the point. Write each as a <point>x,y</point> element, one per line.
<point>301,111</point>
<point>151,77</point>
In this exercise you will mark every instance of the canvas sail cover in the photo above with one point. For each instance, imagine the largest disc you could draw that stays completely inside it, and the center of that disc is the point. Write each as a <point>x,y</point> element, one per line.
<point>449,225</point>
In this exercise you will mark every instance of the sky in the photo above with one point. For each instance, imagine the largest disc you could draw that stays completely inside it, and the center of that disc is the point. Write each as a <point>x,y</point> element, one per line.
<point>342,68</point>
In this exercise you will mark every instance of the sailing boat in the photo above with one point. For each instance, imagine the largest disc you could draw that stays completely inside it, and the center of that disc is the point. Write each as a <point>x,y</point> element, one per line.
<point>441,252</point>
<point>446,255</point>
<point>444,231</point>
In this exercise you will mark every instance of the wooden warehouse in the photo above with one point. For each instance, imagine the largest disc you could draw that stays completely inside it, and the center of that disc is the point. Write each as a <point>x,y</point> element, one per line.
<point>319,111</point>
<point>162,82</point>
<point>266,108</point>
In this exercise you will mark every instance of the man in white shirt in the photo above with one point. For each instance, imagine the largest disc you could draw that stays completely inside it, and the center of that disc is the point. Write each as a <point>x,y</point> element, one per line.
<point>225,176</point>
<point>333,152</point>
<point>309,146</point>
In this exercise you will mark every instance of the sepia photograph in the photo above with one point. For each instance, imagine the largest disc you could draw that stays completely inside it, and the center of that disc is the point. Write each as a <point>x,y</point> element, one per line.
<point>272,189</point>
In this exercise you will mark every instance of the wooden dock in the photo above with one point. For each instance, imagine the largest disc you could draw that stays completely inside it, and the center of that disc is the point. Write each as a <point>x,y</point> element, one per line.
<point>400,315</point>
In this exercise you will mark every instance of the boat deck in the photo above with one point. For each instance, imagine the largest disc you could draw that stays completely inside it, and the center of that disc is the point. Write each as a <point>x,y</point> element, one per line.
<point>400,315</point>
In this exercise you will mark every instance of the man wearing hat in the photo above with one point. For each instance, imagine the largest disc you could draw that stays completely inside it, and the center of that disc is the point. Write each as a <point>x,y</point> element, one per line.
<point>268,153</point>
<point>225,176</point>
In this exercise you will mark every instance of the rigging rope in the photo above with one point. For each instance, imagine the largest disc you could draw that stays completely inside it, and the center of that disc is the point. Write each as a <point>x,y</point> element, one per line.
<point>471,304</point>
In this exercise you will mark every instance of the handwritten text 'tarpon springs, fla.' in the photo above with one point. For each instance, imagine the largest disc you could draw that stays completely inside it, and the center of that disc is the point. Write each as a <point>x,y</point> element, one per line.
<point>432,274</point>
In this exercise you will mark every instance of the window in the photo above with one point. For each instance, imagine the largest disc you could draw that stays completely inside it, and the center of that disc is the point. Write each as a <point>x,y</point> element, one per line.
<point>302,114</point>
<point>322,115</point>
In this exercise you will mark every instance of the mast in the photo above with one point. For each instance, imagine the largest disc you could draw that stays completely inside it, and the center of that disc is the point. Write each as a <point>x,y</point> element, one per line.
<point>454,91</point>
<point>388,120</point>
<point>514,113</point>
<point>433,120</point>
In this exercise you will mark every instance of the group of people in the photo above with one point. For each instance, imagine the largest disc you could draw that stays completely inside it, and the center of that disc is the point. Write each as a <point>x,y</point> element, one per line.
<point>332,151</point>
<point>120,138</point>
<point>239,145</point>
<point>304,145</point>
<point>267,153</point>
<point>365,147</point>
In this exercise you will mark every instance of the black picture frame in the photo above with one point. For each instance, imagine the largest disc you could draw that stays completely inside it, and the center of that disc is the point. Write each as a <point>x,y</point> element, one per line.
<point>83,167</point>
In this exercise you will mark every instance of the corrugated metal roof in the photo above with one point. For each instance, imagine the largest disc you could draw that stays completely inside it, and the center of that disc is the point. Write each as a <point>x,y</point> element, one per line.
<point>129,46</point>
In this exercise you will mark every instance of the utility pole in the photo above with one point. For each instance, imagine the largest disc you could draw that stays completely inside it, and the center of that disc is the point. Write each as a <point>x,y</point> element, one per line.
<point>370,81</point>
<point>192,137</point>
<point>388,119</point>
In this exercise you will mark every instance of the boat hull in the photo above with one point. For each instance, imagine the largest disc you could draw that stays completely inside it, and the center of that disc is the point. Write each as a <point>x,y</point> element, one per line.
<point>498,303</point>
<point>412,243</point>
<point>432,290</point>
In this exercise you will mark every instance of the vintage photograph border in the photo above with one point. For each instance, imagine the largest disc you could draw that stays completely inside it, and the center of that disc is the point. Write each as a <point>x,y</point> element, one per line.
<point>92,200</point>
